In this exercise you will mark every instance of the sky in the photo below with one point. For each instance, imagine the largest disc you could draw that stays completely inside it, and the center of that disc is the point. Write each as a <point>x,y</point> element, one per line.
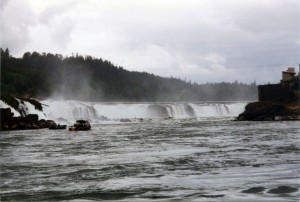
<point>197,40</point>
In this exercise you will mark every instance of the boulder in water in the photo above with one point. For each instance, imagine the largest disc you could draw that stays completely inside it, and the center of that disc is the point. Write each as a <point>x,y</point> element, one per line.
<point>32,118</point>
<point>6,117</point>
<point>103,118</point>
<point>43,123</point>
<point>9,122</point>
<point>125,120</point>
<point>283,190</point>
<point>254,190</point>
<point>50,122</point>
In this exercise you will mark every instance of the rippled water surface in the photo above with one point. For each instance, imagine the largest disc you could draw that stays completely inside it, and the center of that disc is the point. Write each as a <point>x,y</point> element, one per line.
<point>164,160</point>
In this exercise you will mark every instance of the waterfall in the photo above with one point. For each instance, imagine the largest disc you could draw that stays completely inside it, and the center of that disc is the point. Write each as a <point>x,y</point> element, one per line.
<point>26,106</point>
<point>69,110</point>
<point>97,110</point>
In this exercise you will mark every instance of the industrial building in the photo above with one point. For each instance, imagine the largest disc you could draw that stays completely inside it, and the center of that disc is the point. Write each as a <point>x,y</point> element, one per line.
<point>286,90</point>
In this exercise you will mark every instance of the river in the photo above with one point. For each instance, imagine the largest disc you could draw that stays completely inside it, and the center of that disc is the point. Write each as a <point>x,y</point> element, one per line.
<point>189,155</point>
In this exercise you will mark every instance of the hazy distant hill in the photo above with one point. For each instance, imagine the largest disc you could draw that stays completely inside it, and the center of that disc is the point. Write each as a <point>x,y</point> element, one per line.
<point>93,79</point>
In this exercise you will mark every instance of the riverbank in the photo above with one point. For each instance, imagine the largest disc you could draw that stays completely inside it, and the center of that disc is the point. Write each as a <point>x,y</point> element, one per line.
<point>270,111</point>
<point>30,121</point>
<point>17,113</point>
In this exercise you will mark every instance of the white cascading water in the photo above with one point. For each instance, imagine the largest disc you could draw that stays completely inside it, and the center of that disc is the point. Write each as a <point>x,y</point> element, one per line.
<point>29,108</point>
<point>70,110</point>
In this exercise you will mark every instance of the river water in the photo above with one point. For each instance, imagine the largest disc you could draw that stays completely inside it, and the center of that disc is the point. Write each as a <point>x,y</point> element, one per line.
<point>210,158</point>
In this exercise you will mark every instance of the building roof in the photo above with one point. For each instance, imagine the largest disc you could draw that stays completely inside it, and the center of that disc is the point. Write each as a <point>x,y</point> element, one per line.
<point>290,70</point>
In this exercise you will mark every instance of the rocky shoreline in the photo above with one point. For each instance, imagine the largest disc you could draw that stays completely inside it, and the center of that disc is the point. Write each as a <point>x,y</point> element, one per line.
<point>29,122</point>
<point>270,111</point>
<point>14,114</point>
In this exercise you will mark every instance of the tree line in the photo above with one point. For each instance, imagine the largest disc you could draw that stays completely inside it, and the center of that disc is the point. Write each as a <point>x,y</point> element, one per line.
<point>94,79</point>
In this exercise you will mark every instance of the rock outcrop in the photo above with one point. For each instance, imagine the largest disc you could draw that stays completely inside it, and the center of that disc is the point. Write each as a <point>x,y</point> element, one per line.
<point>25,120</point>
<point>31,121</point>
<point>269,111</point>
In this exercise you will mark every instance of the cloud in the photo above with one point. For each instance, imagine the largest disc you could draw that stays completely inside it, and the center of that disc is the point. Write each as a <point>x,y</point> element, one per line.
<point>54,11</point>
<point>152,57</point>
<point>59,23</point>
<point>15,27</point>
<point>207,40</point>
<point>3,3</point>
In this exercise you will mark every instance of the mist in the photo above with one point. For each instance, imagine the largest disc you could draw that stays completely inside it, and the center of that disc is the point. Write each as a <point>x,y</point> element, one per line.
<point>75,83</point>
<point>87,78</point>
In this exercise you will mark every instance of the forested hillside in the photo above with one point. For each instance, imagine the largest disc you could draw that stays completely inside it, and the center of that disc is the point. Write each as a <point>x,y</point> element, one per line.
<point>93,79</point>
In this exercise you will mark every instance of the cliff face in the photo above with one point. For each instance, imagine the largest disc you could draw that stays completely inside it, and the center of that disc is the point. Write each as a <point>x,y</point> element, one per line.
<point>269,110</point>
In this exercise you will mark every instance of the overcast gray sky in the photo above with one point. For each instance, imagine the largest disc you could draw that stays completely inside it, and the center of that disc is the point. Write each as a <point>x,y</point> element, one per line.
<point>200,40</point>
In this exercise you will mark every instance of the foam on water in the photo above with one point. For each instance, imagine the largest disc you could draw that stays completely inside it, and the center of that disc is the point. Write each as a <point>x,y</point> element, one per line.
<point>161,159</point>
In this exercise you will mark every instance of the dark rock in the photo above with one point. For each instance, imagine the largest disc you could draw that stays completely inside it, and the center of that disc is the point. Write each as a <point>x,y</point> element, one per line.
<point>210,195</point>
<point>5,127</point>
<point>8,122</point>
<point>22,126</point>
<point>254,190</point>
<point>6,113</point>
<point>50,123</point>
<point>125,120</point>
<point>269,111</point>
<point>32,118</point>
<point>43,123</point>
<point>256,165</point>
<point>103,118</point>
<point>283,190</point>
<point>34,126</point>
<point>14,127</point>
<point>28,126</point>
<point>6,118</point>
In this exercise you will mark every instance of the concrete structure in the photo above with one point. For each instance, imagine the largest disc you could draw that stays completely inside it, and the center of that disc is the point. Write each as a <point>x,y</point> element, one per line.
<point>289,74</point>
<point>286,90</point>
